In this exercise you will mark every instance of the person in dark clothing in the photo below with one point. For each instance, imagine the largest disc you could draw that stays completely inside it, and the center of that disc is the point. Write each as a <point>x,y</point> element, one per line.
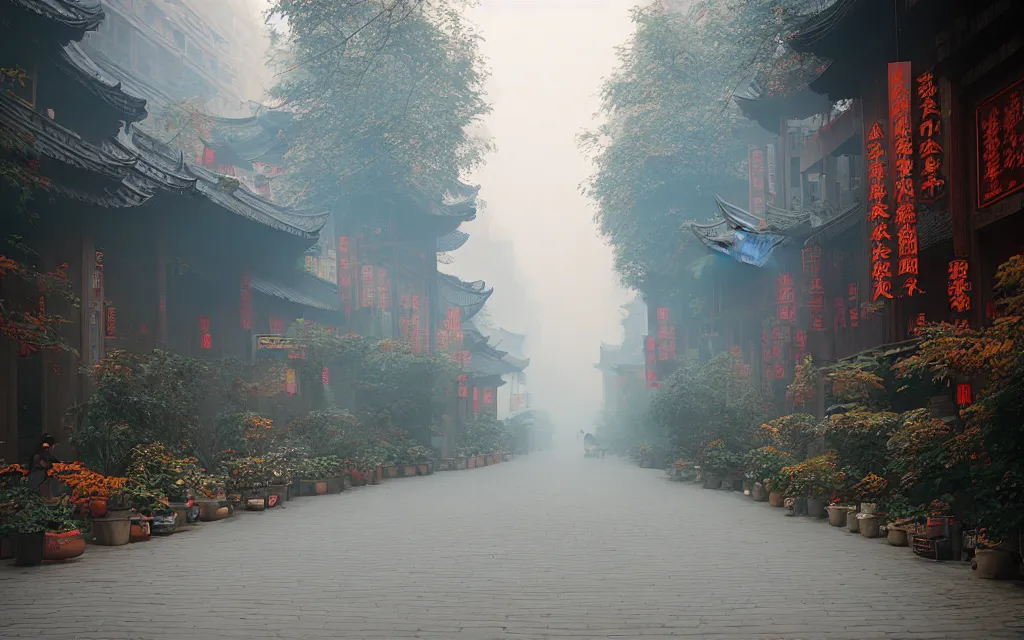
<point>41,464</point>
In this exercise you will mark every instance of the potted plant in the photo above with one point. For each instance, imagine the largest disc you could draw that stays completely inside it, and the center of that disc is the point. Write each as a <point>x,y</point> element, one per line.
<point>760,465</point>
<point>39,530</point>
<point>813,479</point>
<point>717,463</point>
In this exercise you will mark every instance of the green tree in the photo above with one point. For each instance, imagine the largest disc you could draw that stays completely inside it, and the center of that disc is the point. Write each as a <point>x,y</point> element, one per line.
<point>384,91</point>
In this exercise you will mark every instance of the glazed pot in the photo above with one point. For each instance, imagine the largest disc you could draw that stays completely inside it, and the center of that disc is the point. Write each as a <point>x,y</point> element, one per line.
<point>63,546</point>
<point>869,526</point>
<point>28,549</point>
<point>712,481</point>
<point>98,507</point>
<point>776,499</point>
<point>255,503</point>
<point>111,532</point>
<point>852,523</point>
<point>816,507</point>
<point>896,537</point>
<point>837,515</point>
<point>994,564</point>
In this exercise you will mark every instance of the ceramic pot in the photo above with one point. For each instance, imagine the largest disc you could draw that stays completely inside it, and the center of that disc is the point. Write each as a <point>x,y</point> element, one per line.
<point>480,461</point>
<point>711,481</point>
<point>776,499</point>
<point>98,507</point>
<point>869,526</point>
<point>430,468</point>
<point>335,485</point>
<point>28,549</point>
<point>421,470</point>
<point>256,503</point>
<point>63,546</point>
<point>896,537</point>
<point>758,493</point>
<point>212,510</point>
<point>837,516</point>
<point>852,523</point>
<point>110,532</point>
<point>994,564</point>
<point>816,507</point>
<point>868,507</point>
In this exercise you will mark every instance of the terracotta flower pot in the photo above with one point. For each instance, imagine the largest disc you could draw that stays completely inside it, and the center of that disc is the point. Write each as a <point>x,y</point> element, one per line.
<point>852,523</point>
<point>421,469</point>
<point>212,510</point>
<point>282,491</point>
<point>758,493</point>
<point>869,526</point>
<point>408,470</point>
<point>480,461</point>
<point>896,537</point>
<point>63,546</point>
<point>109,532</point>
<point>776,499</point>
<point>994,564</point>
<point>837,515</point>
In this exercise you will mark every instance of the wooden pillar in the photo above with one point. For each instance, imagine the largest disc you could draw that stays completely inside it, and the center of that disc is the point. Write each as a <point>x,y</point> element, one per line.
<point>161,288</point>
<point>958,138</point>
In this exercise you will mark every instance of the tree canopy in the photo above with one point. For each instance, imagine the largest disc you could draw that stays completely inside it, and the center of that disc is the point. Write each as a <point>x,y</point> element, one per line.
<point>673,136</point>
<point>384,91</point>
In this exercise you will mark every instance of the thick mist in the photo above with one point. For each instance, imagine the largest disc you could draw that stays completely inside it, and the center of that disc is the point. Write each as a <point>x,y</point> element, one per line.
<point>547,59</point>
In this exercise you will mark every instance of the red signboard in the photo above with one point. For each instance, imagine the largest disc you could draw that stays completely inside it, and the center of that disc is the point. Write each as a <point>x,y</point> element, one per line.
<point>878,215</point>
<point>755,169</point>
<point>476,400</point>
<point>930,154</point>
<point>344,275</point>
<point>959,287</point>
<point>650,360</point>
<point>1000,136</point>
<point>903,190</point>
<point>325,376</point>
<point>111,320</point>
<point>489,396</point>
<point>463,389</point>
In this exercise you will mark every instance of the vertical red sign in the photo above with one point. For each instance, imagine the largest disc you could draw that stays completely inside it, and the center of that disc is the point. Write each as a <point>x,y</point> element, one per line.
<point>650,359</point>
<point>959,287</point>
<point>344,276</point>
<point>903,191</point>
<point>930,154</point>
<point>878,216</point>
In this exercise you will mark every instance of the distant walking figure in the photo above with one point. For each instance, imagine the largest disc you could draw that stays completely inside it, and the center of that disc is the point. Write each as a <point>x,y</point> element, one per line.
<point>40,465</point>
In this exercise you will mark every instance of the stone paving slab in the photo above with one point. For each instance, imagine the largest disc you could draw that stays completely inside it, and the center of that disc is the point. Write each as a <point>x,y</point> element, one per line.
<point>547,546</point>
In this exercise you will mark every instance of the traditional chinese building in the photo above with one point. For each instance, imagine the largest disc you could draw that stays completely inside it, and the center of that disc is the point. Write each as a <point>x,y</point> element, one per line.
<point>622,365</point>
<point>162,252</point>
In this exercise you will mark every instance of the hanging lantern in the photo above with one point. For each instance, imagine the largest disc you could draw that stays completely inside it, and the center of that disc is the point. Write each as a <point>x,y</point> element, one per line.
<point>963,394</point>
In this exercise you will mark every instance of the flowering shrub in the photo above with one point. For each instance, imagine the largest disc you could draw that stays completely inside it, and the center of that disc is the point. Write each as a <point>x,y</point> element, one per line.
<point>869,488</point>
<point>813,478</point>
<point>717,459</point>
<point>791,432</point>
<point>761,464</point>
<point>86,483</point>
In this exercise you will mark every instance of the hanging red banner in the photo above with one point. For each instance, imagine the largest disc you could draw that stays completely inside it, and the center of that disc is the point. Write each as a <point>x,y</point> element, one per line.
<point>488,396</point>
<point>476,400</point>
<point>111,321</point>
<point>1000,140</point>
<point>325,376</point>
<point>344,271</point>
<point>650,359</point>
<point>383,290</point>
<point>930,154</point>
<point>878,216</point>
<point>903,176</point>
<point>463,389</point>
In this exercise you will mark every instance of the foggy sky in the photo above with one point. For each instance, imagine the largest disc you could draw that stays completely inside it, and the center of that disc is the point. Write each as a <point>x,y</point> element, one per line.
<point>547,59</point>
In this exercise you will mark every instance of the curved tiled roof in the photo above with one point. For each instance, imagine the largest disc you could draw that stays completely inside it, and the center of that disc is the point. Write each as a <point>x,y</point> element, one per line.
<point>452,241</point>
<point>75,16</point>
<point>470,297</point>
<point>291,294</point>
<point>252,139</point>
<point>84,70</point>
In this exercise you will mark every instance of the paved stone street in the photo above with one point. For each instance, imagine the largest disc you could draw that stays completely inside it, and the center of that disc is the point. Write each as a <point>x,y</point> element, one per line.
<point>543,547</point>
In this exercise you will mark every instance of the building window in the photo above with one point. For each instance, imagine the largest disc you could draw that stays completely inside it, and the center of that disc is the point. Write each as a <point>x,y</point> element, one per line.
<point>24,87</point>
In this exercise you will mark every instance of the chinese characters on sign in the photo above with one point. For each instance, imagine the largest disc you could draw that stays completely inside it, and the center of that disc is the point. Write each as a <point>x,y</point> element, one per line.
<point>930,155</point>
<point>205,341</point>
<point>785,297</point>
<point>111,322</point>
<point>463,389</point>
<point>811,262</point>
<point>878,216</point>
<point>903,176</point>
<point>1000,136</point>
<point>852,292</point>
<point>368,287</point>
<point>755,166</point>
<point>489,396</point>
<point>476,400</point>
<point>666,336</point>
<point>344,276</point>
<point>959,287</point>
<point>325,376</point>
<point>650,360</point>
